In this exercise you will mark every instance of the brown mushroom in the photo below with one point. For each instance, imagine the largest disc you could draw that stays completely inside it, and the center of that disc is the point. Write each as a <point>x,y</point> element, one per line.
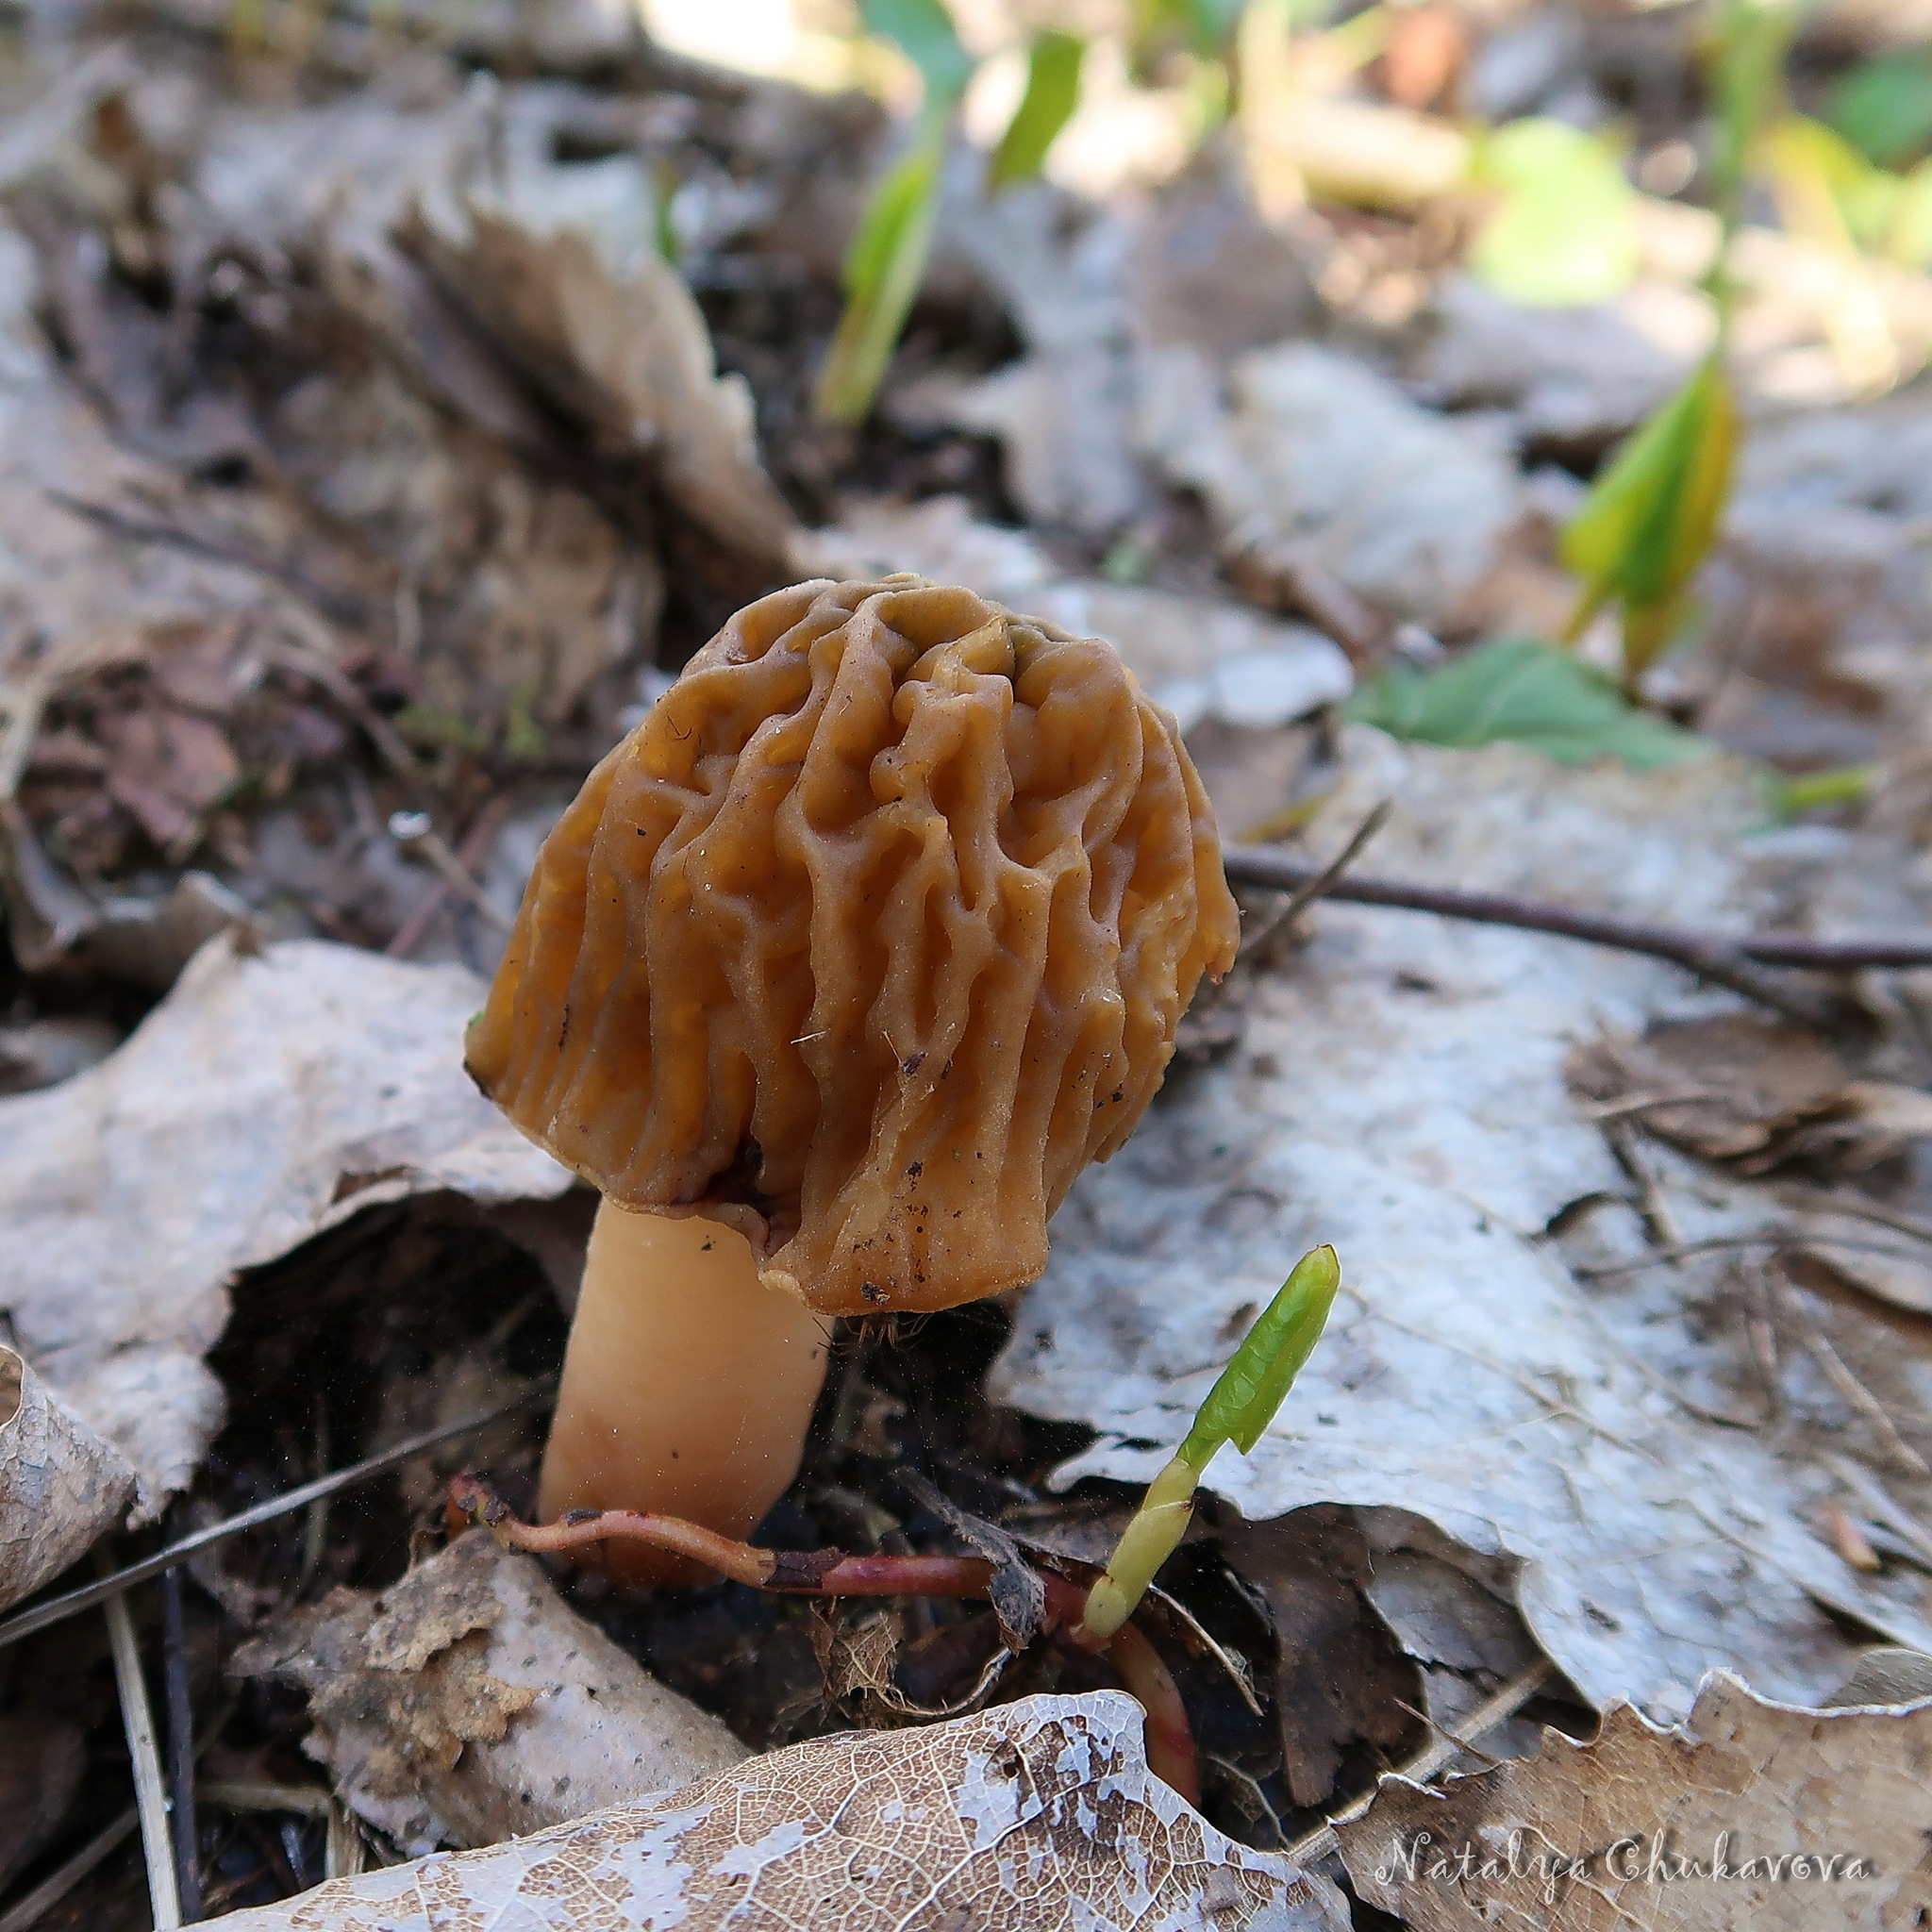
<point>841,968</point>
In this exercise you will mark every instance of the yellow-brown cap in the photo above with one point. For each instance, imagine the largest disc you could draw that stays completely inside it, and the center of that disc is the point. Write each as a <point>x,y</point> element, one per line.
<point>865,941</point>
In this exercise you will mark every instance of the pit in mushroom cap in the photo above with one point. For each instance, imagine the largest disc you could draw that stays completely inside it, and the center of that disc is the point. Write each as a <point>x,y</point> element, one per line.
<point>868,938</point>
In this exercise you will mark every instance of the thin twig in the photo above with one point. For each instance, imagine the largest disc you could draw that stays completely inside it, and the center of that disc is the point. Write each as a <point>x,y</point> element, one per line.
<point>57,1884</point>
<point>1438,1757</point>
<point>1682,946</point>
<point>313,664</point>
<point>1863,1402</point>
<point>345,1851</point>
<point>180,1745</point>
<point>258,1795</point>
<point>1329,876</point>
<point>415,831</point>
<point>150,1791</point>
<point>75,1601</point>
<point>1884,1508</point>
<point>1659,1221</point>
<point>1237,1675</point>
<point>1724,1244</point>
<point>472,853</point>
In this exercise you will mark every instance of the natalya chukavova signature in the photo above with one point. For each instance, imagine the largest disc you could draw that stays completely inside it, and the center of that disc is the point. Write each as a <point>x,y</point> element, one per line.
<point>1638,1858</point>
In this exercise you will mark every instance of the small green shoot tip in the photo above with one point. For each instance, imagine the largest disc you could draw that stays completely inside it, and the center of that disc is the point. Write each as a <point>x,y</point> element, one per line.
<point>1239,1407</point>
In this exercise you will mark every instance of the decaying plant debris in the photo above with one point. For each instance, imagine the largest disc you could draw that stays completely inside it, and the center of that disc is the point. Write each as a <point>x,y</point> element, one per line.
<point>386,412</point>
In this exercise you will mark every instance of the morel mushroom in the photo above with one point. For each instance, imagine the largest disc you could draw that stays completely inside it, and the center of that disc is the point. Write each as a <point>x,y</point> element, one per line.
<point>843,964</point>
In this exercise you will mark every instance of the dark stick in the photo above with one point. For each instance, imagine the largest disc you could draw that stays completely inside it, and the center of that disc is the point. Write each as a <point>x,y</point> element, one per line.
<point>180,1746</point>
<point>1255,865</point>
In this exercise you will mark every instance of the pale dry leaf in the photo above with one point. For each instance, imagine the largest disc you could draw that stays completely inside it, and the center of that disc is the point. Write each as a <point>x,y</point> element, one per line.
<point>1718,1086</point>
<point>1064,420</point>
<point>630,359</point>
<point>1401,1093</point>
<point>469,1704</point>
<point>271,1094</point>
<point>1758,1091</point>
<point>1039,1815</point>
<point>1569,375</point>
<point>1309,458</point>
<point>1798,1818</point>
<point>60,1485</point>
<point>45,1052</point>
<point>1894,1267</point>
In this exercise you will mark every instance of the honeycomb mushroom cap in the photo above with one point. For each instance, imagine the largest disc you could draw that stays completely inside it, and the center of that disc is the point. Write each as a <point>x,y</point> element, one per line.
<point>868,938</point>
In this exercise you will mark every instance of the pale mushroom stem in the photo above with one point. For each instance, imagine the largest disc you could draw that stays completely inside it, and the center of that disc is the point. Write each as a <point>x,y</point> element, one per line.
<point>688,1386</point>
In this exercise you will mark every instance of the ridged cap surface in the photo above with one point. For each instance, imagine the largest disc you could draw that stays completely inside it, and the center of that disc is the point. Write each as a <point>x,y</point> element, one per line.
<point>868,938</point>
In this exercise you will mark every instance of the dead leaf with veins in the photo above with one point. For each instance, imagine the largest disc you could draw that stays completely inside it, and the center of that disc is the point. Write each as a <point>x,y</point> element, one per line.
<point>1038,1816</point>
<point>1749,1816</point>
<point>60,1485</point>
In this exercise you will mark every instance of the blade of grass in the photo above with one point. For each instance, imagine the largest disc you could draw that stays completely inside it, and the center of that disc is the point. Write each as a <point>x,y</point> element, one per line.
<point>1053,91</point>
<point>150,1787</point>
<point>883,271</point>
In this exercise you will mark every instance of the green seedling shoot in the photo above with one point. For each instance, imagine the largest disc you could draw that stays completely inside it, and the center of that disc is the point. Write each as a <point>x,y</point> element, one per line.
<point>1240,1406</point>
<point>1653,512</point>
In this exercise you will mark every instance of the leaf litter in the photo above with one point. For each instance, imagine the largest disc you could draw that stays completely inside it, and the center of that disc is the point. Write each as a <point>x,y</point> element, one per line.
<point>366,467</point>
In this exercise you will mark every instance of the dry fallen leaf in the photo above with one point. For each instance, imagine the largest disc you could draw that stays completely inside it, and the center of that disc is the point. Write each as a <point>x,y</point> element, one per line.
<point>1884,1262</point>
<point>60,1485</point>
<point>271,1095</point>
<point>1797,1818</point>
<point>469,1704</point>
<point>1313,459</point>
<point>1758,1091</point>
<point>1401,1093</point>
<point>630,360</point>
<point>1038,1816</point>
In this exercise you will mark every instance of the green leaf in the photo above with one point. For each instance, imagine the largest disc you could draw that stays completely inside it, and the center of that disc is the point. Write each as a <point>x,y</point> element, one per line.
<point>1883,106</point>
<point>1053,91</point>
<point>1651,515</point>
<point>1521,692</point>
<point>883,270</point>
<point>924,31</point>
<point>1566,231</point>
<point>1248,1391</point>
<point>1825,188</point>
<point>1211,23</point>
<point>1909,241</point>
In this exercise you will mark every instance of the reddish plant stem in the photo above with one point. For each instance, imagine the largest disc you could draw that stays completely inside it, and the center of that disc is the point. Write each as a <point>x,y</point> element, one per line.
<point>1170,1755</point>
<point>475,1502</point>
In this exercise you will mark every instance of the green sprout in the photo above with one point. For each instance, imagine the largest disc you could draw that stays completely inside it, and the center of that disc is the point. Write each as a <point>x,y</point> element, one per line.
<point>1240,1406</point>
<point>1653,514</point>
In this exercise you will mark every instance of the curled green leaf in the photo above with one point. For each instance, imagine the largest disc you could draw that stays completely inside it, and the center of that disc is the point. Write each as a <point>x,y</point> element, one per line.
<point>883,270</point>
<point>1053,91</point>
<point>924,32</point>
<point>1653,514</point>
<point>1242,1402</point>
